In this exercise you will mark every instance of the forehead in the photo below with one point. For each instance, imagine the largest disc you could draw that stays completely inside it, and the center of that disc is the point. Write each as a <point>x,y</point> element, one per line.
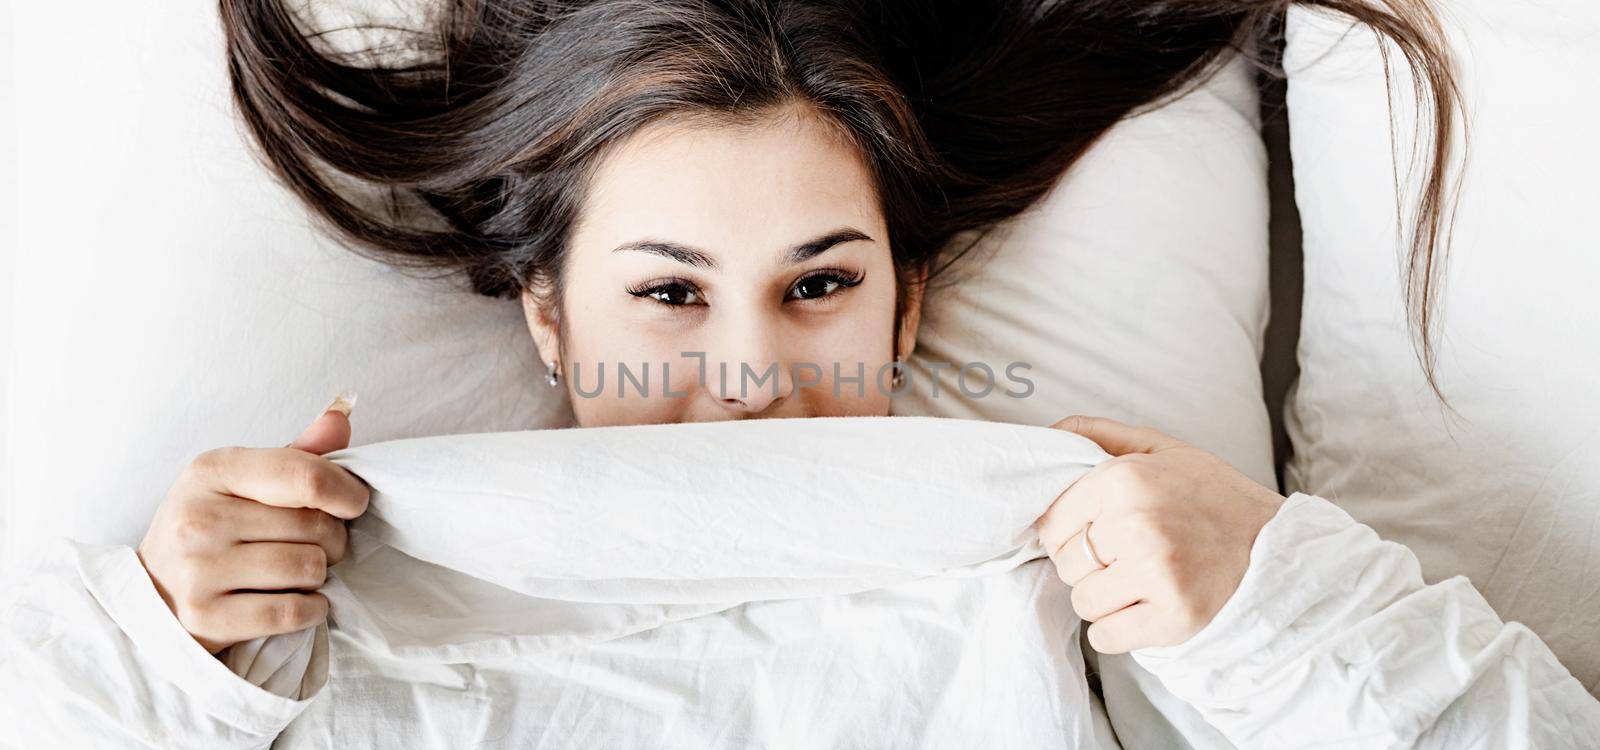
<point>726,187</point>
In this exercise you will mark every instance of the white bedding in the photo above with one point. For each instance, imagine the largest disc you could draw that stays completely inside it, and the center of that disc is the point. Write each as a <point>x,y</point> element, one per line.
<point>848,582</point>
<point>1503,488</point>
<point>642,586</point>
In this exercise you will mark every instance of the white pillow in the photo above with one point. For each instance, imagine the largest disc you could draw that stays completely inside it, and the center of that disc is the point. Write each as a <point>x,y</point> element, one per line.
<point>171,299</point>
<point>8,214</point>
<point>1137,289</point>
<point>1509,495</point>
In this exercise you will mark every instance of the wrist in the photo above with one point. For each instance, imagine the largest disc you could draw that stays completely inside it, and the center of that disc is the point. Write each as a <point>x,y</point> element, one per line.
<point>1265,505</point>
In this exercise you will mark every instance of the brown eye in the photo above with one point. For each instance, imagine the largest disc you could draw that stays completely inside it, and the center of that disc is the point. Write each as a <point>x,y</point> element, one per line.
<point>814,287</point>
<point>669,293</point>
<point>820,285</point>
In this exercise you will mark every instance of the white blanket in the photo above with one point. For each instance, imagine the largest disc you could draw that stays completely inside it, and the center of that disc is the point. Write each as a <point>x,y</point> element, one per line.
<point>814,583</point>
<point>868,582</point>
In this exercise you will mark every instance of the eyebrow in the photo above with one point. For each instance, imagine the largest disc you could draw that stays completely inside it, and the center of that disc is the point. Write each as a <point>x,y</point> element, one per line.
<point>699,258</point>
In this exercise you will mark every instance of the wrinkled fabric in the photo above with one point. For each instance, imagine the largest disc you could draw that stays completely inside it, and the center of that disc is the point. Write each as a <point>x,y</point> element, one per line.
<point>1333,641</point>
<point>865,582</point>
<point>1489,466</point>
<point>826,582</point>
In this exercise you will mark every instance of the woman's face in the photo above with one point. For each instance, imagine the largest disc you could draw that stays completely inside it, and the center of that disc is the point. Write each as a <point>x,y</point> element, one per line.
<point>735,273</point>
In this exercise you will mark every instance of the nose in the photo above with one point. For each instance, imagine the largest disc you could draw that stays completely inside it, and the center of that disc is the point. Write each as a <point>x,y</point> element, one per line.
<point>748,372</point>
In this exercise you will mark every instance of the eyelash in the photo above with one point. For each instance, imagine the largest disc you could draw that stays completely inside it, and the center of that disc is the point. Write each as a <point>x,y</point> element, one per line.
<point>845,280</point>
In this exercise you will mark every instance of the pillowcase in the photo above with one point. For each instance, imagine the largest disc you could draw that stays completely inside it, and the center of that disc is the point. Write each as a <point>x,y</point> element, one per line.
<point>8,210</point>
<point>1508,492</point>
<point>171,298</point>
<point>1136,289</point>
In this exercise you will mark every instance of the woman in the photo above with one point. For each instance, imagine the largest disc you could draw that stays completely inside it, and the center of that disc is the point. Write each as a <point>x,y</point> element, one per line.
<point>726,186</point>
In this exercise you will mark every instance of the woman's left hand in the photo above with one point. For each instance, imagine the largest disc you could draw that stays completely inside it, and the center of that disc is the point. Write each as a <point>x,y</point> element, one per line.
<point>1173,525</point>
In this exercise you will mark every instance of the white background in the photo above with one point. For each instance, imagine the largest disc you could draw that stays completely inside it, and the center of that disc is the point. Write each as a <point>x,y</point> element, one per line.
<point>8,221</point>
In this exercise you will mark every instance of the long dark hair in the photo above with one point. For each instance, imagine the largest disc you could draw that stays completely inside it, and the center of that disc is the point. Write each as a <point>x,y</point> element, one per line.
<point>478,127</point>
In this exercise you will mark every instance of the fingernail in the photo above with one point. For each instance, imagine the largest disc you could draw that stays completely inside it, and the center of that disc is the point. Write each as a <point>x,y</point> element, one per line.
<point>343,403</point>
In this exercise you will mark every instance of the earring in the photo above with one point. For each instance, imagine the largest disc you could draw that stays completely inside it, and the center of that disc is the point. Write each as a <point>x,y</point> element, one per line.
<point>552,376</point>
<point>899,378</point>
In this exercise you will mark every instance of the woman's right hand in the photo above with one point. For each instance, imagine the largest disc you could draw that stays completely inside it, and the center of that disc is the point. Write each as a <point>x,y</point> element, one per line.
<point>246,535</point>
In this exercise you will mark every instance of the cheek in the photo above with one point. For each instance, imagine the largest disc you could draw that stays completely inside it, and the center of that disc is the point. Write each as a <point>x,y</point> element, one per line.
<point>598,342</point>
<point>863,336</point>
<point>861,342</point>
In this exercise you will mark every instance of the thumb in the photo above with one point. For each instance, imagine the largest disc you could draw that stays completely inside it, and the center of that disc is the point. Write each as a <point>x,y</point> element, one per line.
<point>330,431</point>
<point>1117,438</point>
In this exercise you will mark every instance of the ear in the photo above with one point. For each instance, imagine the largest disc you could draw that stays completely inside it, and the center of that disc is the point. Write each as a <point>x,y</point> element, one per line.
<point>542,324</point>
<point>911,317</point>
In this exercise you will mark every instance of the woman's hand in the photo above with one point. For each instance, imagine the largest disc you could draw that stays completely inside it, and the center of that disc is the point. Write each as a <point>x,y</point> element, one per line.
<point>1173,525</point>
<point>246,535</point>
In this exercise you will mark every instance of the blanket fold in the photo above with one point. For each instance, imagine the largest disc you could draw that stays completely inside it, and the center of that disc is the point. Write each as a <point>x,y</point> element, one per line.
<point>836,582</point>
<point>560,537</point>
